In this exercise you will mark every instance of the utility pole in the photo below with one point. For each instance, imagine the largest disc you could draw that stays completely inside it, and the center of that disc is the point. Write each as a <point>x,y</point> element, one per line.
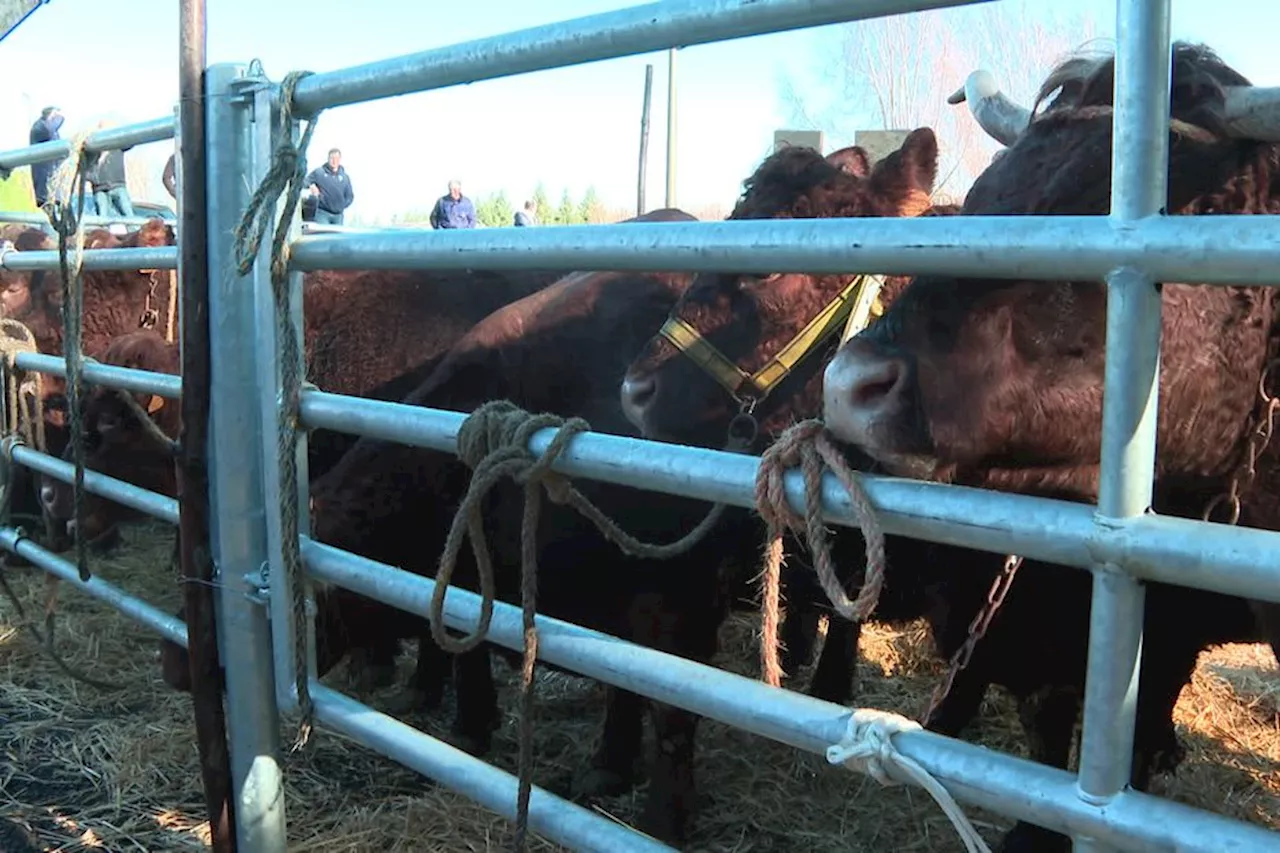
<point>671,127</point>
<point>643,177</point>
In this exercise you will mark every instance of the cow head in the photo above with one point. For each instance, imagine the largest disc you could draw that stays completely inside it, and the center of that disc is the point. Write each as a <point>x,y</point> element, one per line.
<point>750,319</point>
<point>999,382</point>
<point>116,443</point>
<point>23,293</point>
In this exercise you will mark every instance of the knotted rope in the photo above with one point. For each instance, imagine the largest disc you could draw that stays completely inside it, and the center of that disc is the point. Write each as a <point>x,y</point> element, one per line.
<point>171,322</point>
<point>70,229</point>
<point>867,747</point>
<point>493,441</point>
<point>24,390</point>
<point>287,172</point>
<point>808,446</point>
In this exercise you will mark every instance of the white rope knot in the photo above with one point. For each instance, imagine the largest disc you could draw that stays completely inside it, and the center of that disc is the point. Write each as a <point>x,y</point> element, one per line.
<point>867,747</point>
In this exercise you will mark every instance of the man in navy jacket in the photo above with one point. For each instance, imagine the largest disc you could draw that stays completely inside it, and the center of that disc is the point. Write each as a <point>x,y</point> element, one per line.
<point>454,210</point>
<point>45,129</point>
<point>331,188</point>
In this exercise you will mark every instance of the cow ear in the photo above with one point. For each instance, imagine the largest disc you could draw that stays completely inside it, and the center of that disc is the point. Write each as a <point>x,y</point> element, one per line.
<point>912,168</point>
<point>155,404</point>
<point>852,160</point>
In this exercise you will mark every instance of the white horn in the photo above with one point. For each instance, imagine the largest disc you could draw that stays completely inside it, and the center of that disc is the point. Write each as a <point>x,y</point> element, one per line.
<point>1001,118</point>
<point>1253,112</point>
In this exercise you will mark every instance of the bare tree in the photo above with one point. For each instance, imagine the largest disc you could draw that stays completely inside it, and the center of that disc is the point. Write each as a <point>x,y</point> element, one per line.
<point>897,72</point>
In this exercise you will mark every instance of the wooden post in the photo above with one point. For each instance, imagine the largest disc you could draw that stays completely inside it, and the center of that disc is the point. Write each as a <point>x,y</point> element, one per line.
<point>671,127</point>
<point>644,139</point>
<point>193,478</point>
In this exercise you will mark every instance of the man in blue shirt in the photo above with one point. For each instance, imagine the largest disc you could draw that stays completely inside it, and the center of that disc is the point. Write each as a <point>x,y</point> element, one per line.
<point>454,210</point>
<point>331,189</point>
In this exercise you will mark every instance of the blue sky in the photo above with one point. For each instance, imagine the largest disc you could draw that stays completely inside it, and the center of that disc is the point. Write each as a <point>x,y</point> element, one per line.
<point>569,127</point>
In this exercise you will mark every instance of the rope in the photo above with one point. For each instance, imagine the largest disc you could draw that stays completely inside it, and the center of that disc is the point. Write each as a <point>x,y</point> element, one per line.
<point>493,441</point>
<point>285,176</point>
<point>867,747</point>
<point>24,398</point>
<point>149,426</point>
<point>70,227</point>
<point>171,323</point>
<point>808,446</point>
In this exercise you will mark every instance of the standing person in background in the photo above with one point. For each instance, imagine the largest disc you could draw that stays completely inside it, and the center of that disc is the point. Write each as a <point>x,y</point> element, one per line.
<point>110,187</point>
<point>170,176</point>
<point>528,216</point>
<point>45,129</point>
<point>331,189</point>
<point>454,210</point>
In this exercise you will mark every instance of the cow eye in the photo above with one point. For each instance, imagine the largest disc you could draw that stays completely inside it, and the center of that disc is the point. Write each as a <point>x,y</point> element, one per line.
<point>750,281</point>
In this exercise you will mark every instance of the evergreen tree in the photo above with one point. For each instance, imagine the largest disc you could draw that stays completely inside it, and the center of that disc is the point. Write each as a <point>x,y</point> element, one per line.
<point>567,212</point>
<point>544,211</point>
<point>494,211</point>
<point>591,210</point>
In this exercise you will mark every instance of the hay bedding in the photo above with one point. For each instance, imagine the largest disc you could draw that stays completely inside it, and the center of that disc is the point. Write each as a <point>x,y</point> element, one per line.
<point>83,770</point>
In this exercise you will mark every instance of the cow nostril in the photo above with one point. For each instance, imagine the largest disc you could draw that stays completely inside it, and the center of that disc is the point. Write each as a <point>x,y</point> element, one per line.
<point>47,497</point>
<point>876,384</point>
<point>639,392</point>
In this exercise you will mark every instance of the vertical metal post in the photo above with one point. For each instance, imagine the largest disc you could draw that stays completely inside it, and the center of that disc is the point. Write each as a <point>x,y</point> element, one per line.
<point>269,394</point>
<point>645,108</point>
<point>671,127</point>
<point>1139,189</point>
<point>239,539</point>
<point>192,469</point>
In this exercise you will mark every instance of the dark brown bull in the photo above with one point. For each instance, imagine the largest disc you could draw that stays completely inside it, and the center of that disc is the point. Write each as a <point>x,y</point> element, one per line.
<point>114,302</point>
<point>565,350</point>
<point>362,330</point>
<point>751,320</point>
<point>999,383</point>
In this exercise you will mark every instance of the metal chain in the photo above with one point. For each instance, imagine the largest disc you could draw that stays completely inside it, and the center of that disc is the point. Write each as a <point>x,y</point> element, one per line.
<point>977,629</point>
<point>150,316</point>
<point>1258,442</point>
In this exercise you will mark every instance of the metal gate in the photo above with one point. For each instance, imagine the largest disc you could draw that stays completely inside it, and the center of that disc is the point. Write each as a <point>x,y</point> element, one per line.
<point>1120,545</point>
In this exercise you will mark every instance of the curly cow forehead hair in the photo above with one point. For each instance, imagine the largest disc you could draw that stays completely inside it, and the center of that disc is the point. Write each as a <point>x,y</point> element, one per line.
<point>783,176</point>
<point>1198,92</point>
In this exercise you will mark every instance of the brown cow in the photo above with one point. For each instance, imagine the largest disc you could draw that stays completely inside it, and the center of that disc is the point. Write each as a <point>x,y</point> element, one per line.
<point>566,352</point>
<point>362,330</point>
<point>999,383</point>
<point>750,319</point>
<point>113,302</point>
<point>946,585</point>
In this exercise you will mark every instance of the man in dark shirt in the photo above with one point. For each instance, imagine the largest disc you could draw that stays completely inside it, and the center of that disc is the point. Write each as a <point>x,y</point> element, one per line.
<point>528,216</point>
<point>110,189</point>
<point>45,129</point>
<point>331,189</point>
<point>454,210</point>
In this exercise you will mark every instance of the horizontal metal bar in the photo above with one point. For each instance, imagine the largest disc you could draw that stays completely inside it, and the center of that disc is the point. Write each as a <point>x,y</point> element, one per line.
<point>1231,560</point>
<point>148,258</point>
<point>125,136</point>
<point>549,816</point>
<point>973,774</point>
<point>153,504</point>
<point>1235,249</point>
<point>170,627</point>
<point>22,217</point>
<point>124,378</point>
<point>626,32</point>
